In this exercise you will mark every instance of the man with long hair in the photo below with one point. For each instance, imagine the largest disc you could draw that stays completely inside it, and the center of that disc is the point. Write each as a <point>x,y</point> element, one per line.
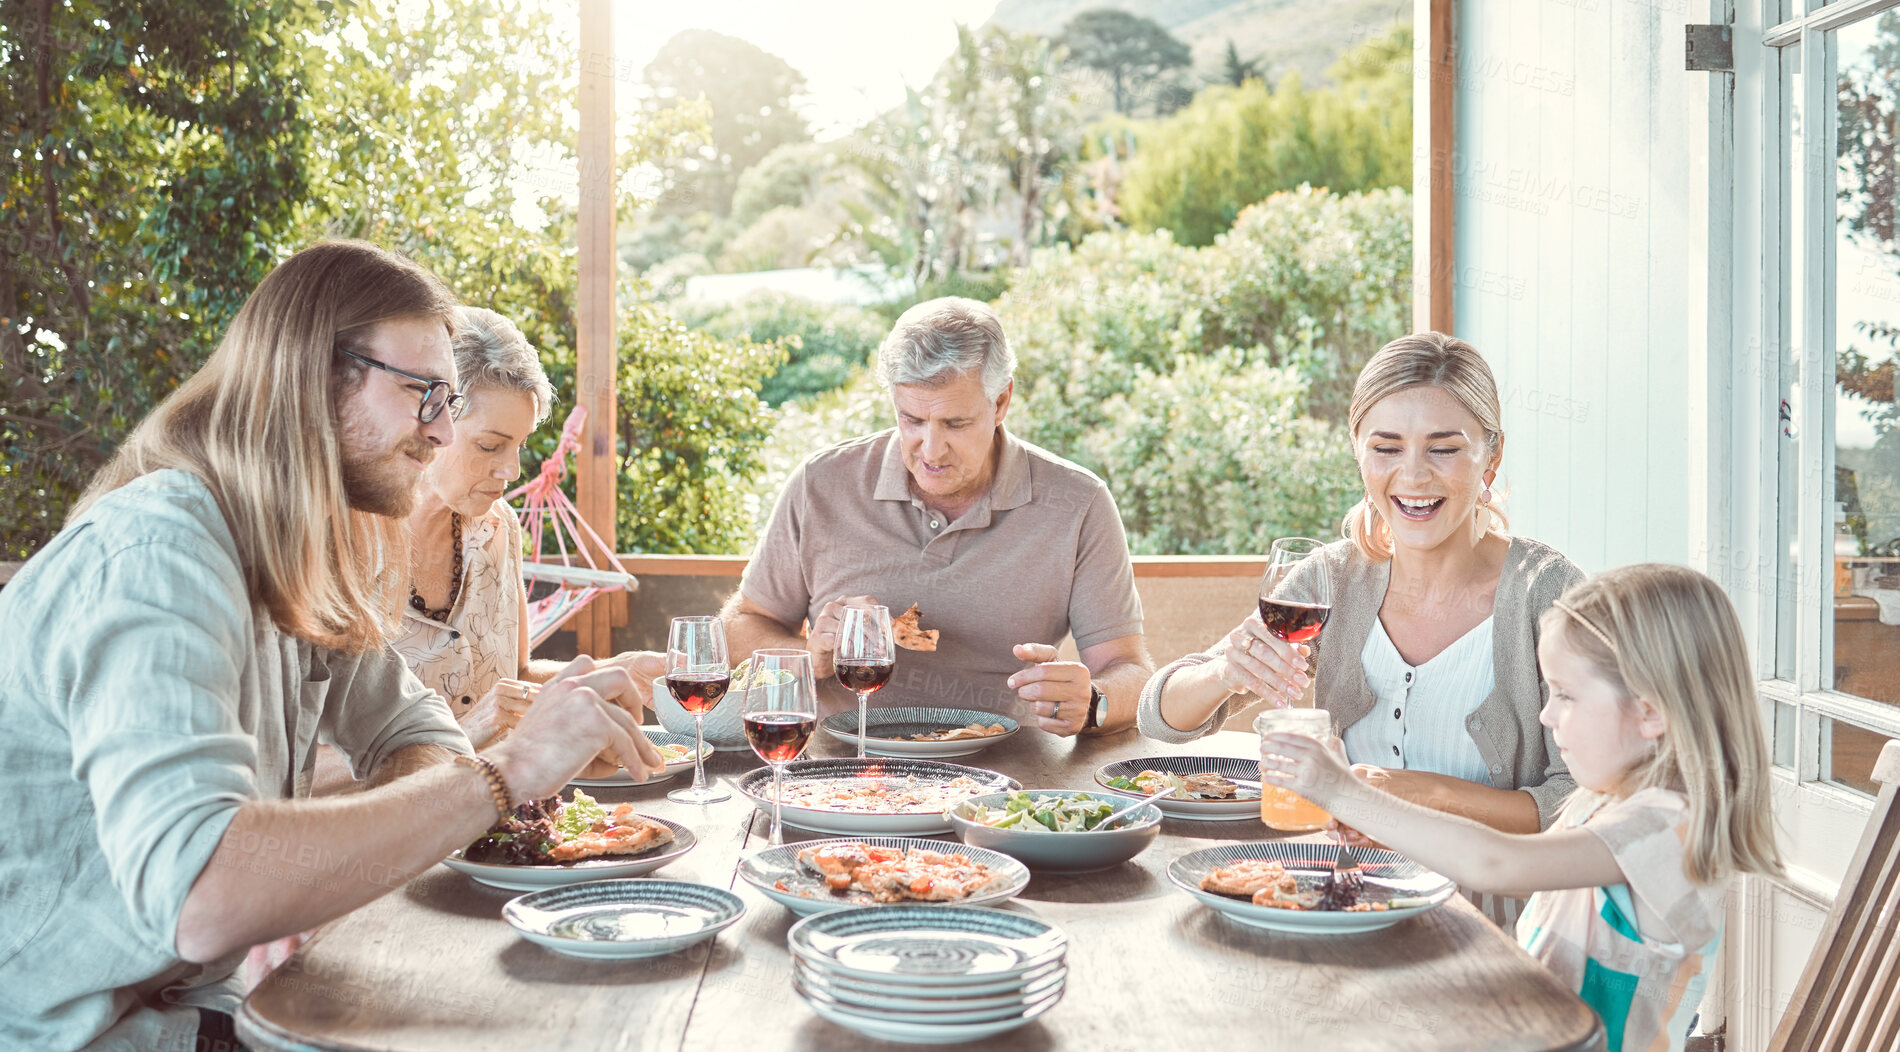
<point>215,608</point>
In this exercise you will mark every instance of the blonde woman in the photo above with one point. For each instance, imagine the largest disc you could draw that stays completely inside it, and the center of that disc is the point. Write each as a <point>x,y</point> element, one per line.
<point>1428,662</point>
<point>1652,698</point>
<point>464,626</point>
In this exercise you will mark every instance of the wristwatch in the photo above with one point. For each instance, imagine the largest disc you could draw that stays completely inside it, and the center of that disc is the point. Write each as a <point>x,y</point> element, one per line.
<point>1097,702</point>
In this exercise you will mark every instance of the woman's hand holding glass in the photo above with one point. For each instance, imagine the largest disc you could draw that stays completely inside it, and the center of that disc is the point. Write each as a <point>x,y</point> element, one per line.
<point>1255,661</point>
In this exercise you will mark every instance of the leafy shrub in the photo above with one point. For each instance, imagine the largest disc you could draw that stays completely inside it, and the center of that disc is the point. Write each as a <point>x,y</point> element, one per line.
<point>1313,280</point>
<point>860,407</point>
<point>692,429</point>
<point>782,238</point>
<point>827,343</point>
<point>787,177</point>
<point>984,285</point>
<point>1215,457</point>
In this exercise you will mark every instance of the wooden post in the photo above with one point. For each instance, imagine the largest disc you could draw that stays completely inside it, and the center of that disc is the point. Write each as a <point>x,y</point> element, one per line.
<point>597,360</point>
<point>1435,78</point>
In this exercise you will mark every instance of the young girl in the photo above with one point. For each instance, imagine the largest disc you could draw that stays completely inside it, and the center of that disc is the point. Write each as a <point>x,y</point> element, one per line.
<point>1652,705</point>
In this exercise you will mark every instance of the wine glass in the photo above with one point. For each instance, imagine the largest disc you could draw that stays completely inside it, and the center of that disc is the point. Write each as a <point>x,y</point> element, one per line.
<point>1296,595</point>
<point>781,712</point>
<point>698,674</point>
<point>1295,610</point>
<point>866,657</point>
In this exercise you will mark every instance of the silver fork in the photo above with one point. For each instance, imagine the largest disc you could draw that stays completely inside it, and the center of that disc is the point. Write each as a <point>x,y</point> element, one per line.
<point>1345,882</point>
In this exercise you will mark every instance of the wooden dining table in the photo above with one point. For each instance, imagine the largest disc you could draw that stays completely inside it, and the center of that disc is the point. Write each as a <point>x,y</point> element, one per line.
<point>432,966</point>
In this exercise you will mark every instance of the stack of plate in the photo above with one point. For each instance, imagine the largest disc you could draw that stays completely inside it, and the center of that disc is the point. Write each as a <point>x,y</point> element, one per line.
<point>928,974</point>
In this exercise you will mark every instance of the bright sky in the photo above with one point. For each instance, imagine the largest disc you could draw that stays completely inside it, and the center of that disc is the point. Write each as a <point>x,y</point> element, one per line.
<point>857,55</point>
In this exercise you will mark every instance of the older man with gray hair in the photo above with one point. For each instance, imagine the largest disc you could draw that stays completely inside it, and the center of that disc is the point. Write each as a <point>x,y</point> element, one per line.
<point>1006,547</point>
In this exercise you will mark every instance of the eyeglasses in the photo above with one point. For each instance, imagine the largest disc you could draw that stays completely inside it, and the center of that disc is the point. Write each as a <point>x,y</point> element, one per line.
<point>437,395</point>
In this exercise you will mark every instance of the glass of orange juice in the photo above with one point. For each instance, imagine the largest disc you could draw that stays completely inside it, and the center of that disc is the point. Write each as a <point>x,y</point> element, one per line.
<point>1283,809</point>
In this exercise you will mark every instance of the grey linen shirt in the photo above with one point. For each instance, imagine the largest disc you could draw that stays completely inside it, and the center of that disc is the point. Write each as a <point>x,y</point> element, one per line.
<point>144,701</point>
<point>1517,750</point>
<point>1040,556</point>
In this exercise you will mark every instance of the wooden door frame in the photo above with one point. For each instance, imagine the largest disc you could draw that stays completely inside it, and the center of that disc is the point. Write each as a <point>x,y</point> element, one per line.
<point>1435,78</point>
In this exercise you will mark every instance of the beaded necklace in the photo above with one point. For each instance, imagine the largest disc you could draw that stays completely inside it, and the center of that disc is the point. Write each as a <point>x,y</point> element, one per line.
<point>455,578</point>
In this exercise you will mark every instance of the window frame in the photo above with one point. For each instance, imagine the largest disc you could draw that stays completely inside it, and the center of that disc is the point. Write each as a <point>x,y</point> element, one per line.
<point>1801,180</point>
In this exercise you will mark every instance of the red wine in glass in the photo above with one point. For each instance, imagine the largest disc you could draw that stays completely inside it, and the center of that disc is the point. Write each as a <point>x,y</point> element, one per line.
<point>779,737</point>
<point>1294,622</point>
<point>865,677</point>
<point>698,691</point>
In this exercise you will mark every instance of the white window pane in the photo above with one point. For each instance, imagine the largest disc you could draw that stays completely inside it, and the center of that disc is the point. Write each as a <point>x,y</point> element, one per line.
<point>1865,333</point>
<point>1787,719</point>
<point>1848,754</point>
<point>1788,483</point>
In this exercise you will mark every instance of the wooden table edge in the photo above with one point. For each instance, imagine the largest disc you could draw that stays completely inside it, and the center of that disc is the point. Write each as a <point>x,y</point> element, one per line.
<point>262,1035</point>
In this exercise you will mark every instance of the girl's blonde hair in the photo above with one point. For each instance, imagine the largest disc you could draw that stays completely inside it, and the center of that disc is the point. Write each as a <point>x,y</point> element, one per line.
<point>1423,359</point>
<point>1669,636</point>
<point>258,425</point>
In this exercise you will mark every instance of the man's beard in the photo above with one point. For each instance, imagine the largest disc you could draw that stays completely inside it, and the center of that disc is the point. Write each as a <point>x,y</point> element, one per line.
<point>381,483</point>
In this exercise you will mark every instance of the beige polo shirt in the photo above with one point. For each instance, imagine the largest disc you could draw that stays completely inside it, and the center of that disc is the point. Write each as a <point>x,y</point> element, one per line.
<point>1041,556</point>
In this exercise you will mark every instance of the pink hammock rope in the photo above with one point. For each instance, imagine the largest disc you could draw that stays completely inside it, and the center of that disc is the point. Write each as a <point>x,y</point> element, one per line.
<point>572,567</point>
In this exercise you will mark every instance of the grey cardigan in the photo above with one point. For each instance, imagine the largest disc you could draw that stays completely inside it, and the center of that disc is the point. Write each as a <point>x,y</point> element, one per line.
<point>1517,750</point>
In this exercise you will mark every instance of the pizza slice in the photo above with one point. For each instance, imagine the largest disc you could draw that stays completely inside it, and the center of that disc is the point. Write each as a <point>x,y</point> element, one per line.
<point>907,634</point>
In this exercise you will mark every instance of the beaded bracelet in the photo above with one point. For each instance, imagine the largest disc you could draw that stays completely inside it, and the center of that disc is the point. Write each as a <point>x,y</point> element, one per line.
<point>497,786</point>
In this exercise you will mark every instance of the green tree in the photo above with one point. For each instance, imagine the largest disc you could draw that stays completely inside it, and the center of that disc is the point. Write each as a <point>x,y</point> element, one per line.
<point>1131,51</point>
<point>1035,126</point>
<point>1195,171</point>
<point>152,158</point>
<point>788,177</point>
<point>1235,71</point>
<point>751,96</point>
<point>172,153</point>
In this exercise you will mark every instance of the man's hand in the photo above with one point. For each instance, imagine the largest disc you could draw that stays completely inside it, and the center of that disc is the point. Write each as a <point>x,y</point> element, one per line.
<point>1058,691</point>
<point>266,958</point>
<point>644,666</point>
<point>822,639</point>
<point>577,715</point>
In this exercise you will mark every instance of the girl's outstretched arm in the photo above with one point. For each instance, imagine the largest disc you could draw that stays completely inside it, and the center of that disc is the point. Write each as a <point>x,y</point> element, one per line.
<point>1476,856</point>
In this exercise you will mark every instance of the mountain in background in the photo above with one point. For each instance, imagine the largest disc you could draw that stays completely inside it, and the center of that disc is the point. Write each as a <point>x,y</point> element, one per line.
<point>1288,35</point>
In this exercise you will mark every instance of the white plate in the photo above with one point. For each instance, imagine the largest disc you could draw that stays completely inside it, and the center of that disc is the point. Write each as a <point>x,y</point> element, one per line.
<point>814,991</point>
<point>1387,875</point>
<point>658,737</point>
<point>888,726</point>
<point>923,1033</point>
<point>1246,773</point>
<point>757,785</point>
<point>927,946</point>
<point>1016,993</point>
<point>807,894</point>
<point>623,919</point>
<point>534,878</point>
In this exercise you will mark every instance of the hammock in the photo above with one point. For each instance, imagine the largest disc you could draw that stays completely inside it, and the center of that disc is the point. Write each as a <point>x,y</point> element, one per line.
<point>570,577</point>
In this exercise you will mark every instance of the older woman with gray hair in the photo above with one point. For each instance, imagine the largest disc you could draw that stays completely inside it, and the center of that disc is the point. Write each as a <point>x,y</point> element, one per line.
<point>465,627</point>
<point>1005,547</point>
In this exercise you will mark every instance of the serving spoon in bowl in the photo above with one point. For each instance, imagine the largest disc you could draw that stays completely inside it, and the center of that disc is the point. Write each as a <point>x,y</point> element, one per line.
<point>1115,820</point>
